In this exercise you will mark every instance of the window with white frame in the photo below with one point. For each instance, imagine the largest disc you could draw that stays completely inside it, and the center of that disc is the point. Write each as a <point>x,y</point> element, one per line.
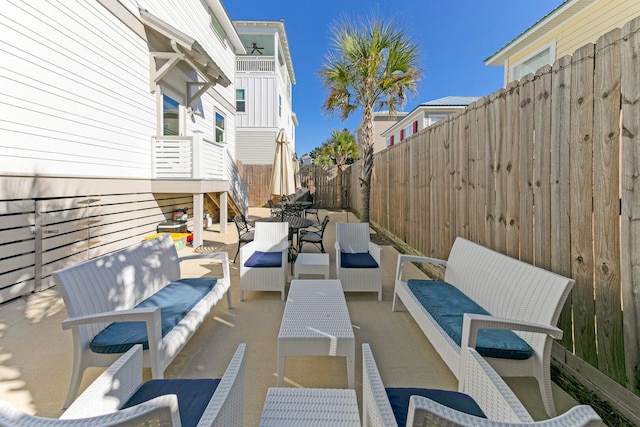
<point>534,62</point>
<point>241,104</point>
<point>220,135</point>
<point>170,116</point>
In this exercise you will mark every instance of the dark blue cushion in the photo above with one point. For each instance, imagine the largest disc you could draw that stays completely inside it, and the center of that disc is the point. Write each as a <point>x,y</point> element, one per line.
<point>193,396</point>
<point>264,259</point>
<point>399,398</point>
<point>357,260</point>
<point>175,301</point>
<point>447,305</point>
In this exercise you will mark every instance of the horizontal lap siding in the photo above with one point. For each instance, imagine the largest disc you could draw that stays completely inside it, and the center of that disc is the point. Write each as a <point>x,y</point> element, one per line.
<point>81,105</point>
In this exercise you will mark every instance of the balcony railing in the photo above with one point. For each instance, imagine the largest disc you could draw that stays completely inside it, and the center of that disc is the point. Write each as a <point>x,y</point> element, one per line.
<point>256,64</point>
<point>194,157</point>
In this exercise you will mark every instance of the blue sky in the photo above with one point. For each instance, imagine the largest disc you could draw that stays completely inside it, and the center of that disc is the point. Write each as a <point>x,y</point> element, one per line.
<point>454,37</point>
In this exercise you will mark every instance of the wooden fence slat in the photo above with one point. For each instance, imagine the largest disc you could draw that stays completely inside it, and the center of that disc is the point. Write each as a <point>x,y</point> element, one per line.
<point>581,169</point>
<point>526,168</point>
<point>560,197</point>
<point>606,199</point>
<point>511,166</point>
<point>542,168</point>
<point>630,223</point>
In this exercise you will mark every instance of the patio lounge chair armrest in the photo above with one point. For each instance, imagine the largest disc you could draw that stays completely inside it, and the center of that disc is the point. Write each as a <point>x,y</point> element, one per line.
<point>376,408</point>
<point>144,314</point>
<point>415,258</point>
<point>472,323</point>
<point>228,400</point>
<point>101,396</point>
<point>376,251</point>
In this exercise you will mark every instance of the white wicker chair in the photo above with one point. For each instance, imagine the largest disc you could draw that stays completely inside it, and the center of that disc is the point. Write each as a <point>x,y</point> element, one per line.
<point>100,403</point>
<point>354,238</point>
<point>268,237</point>
<point>482,384</point>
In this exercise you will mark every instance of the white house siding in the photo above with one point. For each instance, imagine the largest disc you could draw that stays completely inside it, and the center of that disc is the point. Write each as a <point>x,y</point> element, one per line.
<point>74,97</point>
<point>76,121</point>
<point>261,101</point>
<point>255,146</point>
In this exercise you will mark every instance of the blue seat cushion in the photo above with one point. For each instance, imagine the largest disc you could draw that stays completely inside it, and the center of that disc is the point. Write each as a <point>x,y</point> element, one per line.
<point>193,396</point>
<point>264,259</point>
<point>357,260</point>
<point>175,301</point>
<point>399,399</point>
<point>447,305</point>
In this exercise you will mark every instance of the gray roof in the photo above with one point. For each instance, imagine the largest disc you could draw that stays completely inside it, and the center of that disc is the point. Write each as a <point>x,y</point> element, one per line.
<point>451,101</point>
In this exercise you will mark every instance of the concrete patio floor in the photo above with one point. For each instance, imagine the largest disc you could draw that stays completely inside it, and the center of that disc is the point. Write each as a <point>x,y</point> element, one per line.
<point>36,354</point>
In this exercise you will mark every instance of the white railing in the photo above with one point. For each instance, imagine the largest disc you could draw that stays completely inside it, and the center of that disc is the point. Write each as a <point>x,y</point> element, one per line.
<point>256,64</point>
<point>194,157</point>
<point>187,157</point>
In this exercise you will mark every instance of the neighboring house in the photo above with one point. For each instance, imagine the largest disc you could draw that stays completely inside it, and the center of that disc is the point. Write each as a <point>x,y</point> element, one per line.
<point>424,115</point>
<point>382,120</point>
<point>567,28</point>
<point>113,114</point>
<point>264,82</point>
<point>306,159</point>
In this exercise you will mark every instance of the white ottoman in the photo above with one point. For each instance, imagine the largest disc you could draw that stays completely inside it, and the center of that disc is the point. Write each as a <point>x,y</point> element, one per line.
<point>312,263</point>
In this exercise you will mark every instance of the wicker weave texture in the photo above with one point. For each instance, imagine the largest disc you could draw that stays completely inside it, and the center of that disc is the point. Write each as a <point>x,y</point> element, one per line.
<point>521,297</point>
<point>269,237</point>
<point>353,238</point>
<point>310,407</point>
<point>316,322</point>
<point>106,289</point>
<point>99,404</point>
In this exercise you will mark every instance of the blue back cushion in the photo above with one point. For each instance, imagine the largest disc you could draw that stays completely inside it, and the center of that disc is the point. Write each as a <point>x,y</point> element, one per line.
<point>264,259</point>
<point>447,305</point>
<point>175,301</point>
<point>193,396</point>
<point>357,260</point>
<point>399,399</point>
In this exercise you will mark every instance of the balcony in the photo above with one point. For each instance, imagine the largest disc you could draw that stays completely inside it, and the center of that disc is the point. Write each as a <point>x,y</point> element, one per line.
<point>256,64</point>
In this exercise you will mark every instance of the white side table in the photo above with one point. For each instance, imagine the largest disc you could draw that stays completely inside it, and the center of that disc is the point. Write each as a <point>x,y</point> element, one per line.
<point>312,263</point>
<point>310,407</point>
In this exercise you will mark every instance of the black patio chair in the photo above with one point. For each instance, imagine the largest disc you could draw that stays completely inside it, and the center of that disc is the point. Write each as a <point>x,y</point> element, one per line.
<point>313,236</point>
<point>275,211</point>
<point>313,210</point>
<point>245,232</point>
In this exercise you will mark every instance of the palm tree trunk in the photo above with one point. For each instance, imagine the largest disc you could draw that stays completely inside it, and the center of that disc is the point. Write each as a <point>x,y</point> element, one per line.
<point>367,162</point>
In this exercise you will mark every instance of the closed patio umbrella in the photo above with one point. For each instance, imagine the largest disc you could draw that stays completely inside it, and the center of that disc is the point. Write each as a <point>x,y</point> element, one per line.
<point>283,182</point>
<point>296,171</point>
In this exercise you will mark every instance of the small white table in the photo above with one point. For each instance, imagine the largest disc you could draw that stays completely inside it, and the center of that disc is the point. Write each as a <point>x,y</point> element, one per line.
<point>312,263</point>
<point>310,407</point>
<point>316,322</point>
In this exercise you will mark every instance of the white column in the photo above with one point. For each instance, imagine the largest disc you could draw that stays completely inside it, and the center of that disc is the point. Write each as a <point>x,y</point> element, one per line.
<point>223,212</point>
<point>198,219</point>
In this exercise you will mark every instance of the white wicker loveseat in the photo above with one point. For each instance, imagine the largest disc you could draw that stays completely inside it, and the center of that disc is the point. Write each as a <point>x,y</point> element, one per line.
<point>201,402</point>
<point>503,294</point>
<point>135,296</point>
<point>481,389</point>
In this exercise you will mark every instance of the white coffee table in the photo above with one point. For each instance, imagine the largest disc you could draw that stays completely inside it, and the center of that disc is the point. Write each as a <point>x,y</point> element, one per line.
<point>312,263</point>
<point>316,323</point>
<point>310,407</point>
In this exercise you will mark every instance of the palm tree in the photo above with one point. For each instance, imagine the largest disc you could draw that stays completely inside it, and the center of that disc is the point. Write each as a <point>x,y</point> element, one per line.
<point>340,147</point>
<point>371,66</point>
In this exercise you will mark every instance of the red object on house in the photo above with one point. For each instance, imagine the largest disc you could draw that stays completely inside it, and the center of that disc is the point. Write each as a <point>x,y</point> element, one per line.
<point>391,141</point>
<point>402,135</point>
<point>415,127</point>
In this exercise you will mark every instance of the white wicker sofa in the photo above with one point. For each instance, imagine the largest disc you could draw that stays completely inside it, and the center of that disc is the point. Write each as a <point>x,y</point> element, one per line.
<point>201,402</point>
<point>481,392</point>
<point>115,301</point>
<point>515,296</point>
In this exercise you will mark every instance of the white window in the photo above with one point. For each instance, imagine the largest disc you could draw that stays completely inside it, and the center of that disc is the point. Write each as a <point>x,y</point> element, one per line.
<point>241,104</point>
<point>170,116</point>
<point>534,62</point>
<point>220,137</point>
